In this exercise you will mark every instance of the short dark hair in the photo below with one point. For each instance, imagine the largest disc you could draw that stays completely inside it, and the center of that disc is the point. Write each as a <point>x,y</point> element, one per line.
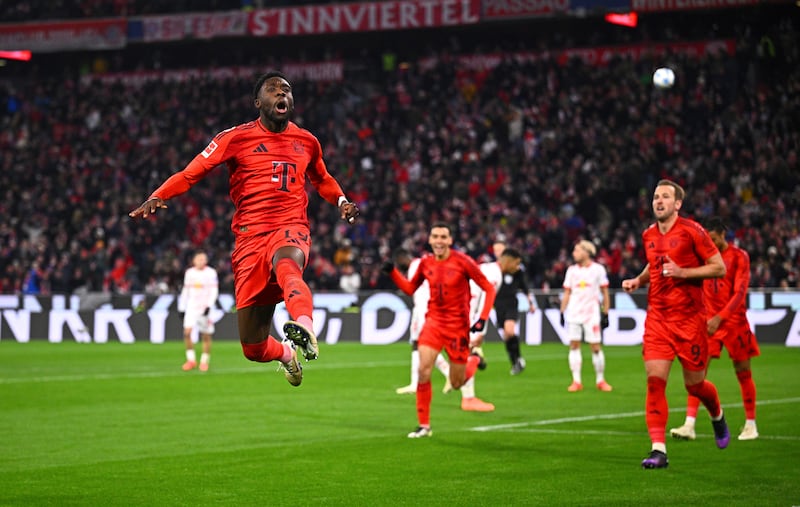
<point>511,252</point>
<point>264,77</point>
<point>716,224</point>
<point>444,225</point>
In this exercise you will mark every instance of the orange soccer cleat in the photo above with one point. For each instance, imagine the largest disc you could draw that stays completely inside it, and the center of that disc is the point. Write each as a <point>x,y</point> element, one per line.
<point>189,365</point>
<point>604,386</point>
<point>575,387</point>
<point>476,405</point>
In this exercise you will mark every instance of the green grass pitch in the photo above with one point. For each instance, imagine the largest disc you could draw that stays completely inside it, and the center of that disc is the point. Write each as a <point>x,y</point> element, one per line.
<point>121,424</point>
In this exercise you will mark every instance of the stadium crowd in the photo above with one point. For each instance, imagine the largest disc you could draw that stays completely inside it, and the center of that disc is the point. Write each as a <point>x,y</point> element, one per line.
<point>540,153</point>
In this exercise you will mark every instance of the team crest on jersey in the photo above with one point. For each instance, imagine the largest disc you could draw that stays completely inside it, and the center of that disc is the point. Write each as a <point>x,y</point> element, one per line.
<point>298,147</point>
<point>211,148</point>
<point>673,243</point>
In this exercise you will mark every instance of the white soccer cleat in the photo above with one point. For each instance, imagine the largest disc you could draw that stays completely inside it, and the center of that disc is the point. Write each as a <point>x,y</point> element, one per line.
<point>409,389</point>
<point>685,432</point>
<point>293,370</point>
<point>420,432</point>
<point>749,432</point>
<point>447,386</point>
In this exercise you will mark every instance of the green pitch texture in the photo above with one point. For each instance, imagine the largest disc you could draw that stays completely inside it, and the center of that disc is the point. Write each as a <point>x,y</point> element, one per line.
<point>123,425</point>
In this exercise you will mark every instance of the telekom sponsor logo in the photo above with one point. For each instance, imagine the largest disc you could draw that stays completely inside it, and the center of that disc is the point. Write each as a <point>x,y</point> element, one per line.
<point>363,17</point>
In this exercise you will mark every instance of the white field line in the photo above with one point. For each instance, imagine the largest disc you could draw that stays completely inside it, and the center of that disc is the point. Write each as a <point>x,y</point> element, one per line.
<point>528,427</point>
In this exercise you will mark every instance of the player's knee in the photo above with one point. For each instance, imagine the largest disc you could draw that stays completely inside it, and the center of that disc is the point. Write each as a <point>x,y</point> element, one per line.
<point>694,389</point>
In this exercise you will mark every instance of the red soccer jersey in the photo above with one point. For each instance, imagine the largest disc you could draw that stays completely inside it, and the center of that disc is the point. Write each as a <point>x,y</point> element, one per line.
<point>689,246</point>
<point>448,279</point>
<point>727,296</point>
<point>267,175</point>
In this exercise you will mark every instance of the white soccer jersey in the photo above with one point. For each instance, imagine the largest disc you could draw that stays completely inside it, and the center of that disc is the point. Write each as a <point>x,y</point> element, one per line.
<point>584,283</point>
<point>423,293</point>
<point>200,290</point>
<point>493,273</point>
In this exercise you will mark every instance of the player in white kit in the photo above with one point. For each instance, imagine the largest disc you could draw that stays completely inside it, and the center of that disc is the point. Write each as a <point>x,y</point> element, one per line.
<point>581,310</point>
<point>197,298</point>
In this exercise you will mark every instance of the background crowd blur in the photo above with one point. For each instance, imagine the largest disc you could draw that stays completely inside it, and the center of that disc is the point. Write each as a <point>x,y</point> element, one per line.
<point>539,153</point>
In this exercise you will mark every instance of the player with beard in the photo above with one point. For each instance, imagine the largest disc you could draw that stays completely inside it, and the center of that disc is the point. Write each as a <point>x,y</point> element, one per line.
<point>680,255</point>
<point>268,160</point>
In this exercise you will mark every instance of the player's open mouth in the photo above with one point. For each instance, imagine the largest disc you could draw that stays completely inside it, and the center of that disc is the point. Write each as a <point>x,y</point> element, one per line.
<point>282,107</point>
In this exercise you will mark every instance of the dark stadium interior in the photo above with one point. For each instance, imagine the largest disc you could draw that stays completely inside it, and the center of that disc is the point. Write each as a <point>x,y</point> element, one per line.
<point>541,152</point>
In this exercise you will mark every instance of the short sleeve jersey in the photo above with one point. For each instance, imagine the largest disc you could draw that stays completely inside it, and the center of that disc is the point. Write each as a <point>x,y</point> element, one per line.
<point>267,175</point>
<point>493,273</point>
<point>727,296</point>
<point>689,246</point>
<point>584,283</point>
<point>200,287</point>
<point>449,288</point>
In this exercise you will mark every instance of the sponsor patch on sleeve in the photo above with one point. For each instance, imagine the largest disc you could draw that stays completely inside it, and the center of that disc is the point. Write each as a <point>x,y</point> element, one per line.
<point>211,148</point>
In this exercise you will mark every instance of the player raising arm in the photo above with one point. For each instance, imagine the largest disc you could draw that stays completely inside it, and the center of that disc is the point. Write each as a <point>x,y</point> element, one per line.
<point>447,323</point>
<point>268,160</point>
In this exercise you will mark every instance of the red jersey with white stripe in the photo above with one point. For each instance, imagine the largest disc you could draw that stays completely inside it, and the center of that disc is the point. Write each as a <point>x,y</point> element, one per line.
<point>267,175</point>
<point>689,246</point>
<point>727,296</point>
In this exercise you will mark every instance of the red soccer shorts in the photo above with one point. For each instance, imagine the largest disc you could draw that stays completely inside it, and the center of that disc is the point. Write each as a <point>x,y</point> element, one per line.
<point>737,338</point>
<point>687,339</point>
<point>454,341</point>
<point>254,280</point>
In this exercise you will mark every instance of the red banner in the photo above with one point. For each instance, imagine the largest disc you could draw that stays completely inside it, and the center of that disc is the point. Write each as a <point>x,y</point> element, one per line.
<point>64,36</point>
<point>683,5</point>
<point>194,25</point>
<point>503,9</point>
<point>363,17</point>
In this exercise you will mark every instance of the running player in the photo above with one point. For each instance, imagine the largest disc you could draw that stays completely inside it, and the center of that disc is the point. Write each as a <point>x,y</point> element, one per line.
<point>726,304</point>
<point>680,255</point>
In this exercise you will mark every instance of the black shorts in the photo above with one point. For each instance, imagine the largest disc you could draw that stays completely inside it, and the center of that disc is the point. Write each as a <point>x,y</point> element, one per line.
<point>506,310</point>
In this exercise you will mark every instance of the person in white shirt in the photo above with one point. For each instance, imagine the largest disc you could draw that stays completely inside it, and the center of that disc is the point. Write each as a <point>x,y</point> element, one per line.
<point>508,263</point>
<point>349,279</point>
<point>581,310</point>
<point>408,264</point>
<point>197,298</point>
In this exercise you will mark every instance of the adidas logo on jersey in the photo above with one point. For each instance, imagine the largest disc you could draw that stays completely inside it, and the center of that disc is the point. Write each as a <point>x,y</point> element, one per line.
<point>261,149</point>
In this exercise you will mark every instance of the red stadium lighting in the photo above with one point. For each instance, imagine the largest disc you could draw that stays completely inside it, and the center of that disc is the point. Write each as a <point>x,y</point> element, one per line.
<point>629,19</point>
<point>23,56</point>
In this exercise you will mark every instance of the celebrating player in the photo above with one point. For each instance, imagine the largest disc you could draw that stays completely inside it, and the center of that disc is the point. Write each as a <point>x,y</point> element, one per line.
<point>197,298</point>
<point>584,283</point>
<point>726,304</point>
<point>409,265</point>
<point>268,162</point>
<point>680,254</point>
<point>447,323</point>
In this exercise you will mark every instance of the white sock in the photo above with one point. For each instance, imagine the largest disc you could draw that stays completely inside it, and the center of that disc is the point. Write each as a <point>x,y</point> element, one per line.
<point>468,389</point>
<point>660,446</point>
<point>689,421</point>
<point>204,358</point>
<point>414,367</point>
<point>599,362</point>
<point>190,355</point>
<point>575,363</point>
<point>442,365</point>
<point>750,422</point>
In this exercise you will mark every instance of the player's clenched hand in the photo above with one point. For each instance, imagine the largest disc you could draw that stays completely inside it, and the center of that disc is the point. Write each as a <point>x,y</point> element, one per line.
<point>349,211</point>
<point>387,267</point>
<point>148,208</point>
<point>631,284</point>
<point>479,326</point>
